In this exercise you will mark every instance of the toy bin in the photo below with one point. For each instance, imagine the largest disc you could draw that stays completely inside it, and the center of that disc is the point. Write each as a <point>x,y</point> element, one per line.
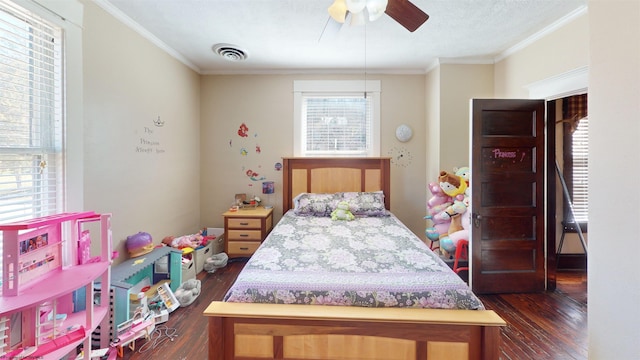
<point>188,269</point>
<point>201,254</point>
<point>217,243</point>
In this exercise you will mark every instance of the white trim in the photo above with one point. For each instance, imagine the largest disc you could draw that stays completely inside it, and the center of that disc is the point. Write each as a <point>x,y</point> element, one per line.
<point>315,72</point>
<point>467,61</point>
<point>69,15</point>
<point>542,33</point>
<point>336,86</point>
<point>115,12</point>
<point>58,12</point>
<point>572,82</point>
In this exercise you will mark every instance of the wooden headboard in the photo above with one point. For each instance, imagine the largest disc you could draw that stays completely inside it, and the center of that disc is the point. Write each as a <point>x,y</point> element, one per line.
<point>330,175</point>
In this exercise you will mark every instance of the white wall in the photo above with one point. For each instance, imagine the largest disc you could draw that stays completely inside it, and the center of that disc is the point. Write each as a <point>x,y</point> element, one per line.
<point>459,83</point>
<point>265,104</point>
<point>604,41</point>
<point>129,83</point>
<point>614,130</point>
<point>562,51</point>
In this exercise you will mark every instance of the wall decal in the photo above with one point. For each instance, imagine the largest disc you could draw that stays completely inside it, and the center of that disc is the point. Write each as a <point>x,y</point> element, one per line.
<point>158,123</point>
<point>243,130</point>
<point>254,175</point>
<point>278,166</point>
<point>258,150</point>
<point>244,152</point>
<point>147,143</point>
<point>400,156</point>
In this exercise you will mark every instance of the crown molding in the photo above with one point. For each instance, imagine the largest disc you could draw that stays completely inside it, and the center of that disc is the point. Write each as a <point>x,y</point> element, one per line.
<point>115,12</point>
<point>572,82</point>
<point>542,33</point>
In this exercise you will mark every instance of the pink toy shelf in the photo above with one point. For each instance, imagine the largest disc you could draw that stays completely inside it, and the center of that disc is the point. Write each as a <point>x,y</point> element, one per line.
<point>45,260</point>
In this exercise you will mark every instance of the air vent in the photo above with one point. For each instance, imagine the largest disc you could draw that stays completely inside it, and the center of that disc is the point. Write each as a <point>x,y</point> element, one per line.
<point>230,52</point>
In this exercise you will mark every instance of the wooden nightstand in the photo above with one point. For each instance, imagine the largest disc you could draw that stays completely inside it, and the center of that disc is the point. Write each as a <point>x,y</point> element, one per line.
<point>245,230</point>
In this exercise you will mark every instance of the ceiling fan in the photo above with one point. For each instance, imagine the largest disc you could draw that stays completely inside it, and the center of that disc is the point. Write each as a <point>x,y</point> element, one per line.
<point>402,11</point>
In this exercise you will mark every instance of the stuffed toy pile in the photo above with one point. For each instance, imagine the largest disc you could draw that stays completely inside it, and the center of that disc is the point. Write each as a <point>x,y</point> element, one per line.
<point>342,212</point>
<point>447,210</point>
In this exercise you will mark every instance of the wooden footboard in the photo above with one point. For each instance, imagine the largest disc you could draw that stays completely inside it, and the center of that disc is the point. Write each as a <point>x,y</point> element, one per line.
<point>267,331</point>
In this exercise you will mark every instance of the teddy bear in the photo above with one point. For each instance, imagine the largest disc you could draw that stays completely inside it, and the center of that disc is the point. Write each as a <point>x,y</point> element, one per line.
<point>188,292</point>
<point>342,212</point>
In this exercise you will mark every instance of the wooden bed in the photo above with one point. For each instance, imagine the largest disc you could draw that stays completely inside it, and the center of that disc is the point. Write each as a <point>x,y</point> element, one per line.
<point>280,331</point>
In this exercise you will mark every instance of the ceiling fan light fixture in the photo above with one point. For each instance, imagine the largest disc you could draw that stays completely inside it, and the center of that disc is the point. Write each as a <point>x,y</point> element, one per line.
<point>358,18</point>
<point>338,11</point>
<point>355,6</point>
<point>376,8</point>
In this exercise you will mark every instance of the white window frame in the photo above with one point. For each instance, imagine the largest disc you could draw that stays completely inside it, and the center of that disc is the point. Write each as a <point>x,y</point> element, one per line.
<point>68,15</point>
<point>333,88</point>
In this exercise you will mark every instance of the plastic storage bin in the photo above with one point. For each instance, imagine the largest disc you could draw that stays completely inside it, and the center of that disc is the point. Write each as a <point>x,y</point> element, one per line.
<point>201,254</point>
<point>217,243</point>
<point>188,269</point>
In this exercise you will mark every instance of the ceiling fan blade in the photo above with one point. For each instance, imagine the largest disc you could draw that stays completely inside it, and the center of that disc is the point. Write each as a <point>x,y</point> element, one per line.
<point>406,14</point>
<point>331,30</point>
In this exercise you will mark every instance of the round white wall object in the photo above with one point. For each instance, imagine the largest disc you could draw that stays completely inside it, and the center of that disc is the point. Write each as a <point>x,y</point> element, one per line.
<point>404,133</point>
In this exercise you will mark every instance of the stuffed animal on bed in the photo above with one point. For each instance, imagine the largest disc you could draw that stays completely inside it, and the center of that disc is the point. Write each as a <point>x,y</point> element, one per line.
<point>342,212</point>
<point>185,241</point>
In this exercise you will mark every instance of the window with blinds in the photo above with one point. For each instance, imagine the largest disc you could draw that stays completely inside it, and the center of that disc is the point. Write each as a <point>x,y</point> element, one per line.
<point>580,181</point>
<point>336,125</point>
<point>337,118</point>
<point>31,115</point>
<point>576,157</point>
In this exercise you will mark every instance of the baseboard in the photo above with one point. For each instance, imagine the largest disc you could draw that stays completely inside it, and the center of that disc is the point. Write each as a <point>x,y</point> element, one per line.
<point>571,262</point>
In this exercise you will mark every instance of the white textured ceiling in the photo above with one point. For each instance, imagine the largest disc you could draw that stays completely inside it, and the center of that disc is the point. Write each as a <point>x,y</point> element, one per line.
<point>287,35</point>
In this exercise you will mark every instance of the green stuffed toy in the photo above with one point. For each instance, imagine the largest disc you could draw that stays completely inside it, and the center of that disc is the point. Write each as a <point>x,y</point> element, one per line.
<point>342,212</point>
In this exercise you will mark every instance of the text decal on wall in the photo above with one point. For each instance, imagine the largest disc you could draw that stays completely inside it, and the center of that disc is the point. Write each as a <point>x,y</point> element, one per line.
<point>148,144</point>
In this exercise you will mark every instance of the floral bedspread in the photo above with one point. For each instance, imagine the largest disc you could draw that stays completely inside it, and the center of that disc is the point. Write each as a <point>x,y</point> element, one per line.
<point>370,262</point>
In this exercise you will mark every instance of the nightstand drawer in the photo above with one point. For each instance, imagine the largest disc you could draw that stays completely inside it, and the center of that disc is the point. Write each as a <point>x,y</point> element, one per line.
<point>245,223</point>
<point>255,235</point>
<point>243,247</point>
<point>245,229</point>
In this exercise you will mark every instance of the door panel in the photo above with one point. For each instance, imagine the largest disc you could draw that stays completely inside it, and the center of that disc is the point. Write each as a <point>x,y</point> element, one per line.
<point>507,179</point>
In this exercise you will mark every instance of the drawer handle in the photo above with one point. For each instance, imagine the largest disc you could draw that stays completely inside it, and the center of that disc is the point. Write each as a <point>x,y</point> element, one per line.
<point>244,248</point>
<point>244,235</point>
<point>244,223</point>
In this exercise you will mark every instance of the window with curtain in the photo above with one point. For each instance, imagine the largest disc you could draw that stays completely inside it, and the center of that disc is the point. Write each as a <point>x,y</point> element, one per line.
<point>576,156</point>
<point>31,115</point>
<point>336,118</point>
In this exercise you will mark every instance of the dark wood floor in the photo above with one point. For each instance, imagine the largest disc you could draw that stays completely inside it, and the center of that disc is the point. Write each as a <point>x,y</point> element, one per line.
<point>551,325</point>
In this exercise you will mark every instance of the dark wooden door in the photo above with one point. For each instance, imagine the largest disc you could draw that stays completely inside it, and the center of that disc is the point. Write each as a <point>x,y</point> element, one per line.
<point>507,181</point>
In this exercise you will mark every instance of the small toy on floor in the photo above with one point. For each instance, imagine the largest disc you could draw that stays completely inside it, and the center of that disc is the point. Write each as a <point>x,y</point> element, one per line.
<point>188,292</point>
<point>215,262</point>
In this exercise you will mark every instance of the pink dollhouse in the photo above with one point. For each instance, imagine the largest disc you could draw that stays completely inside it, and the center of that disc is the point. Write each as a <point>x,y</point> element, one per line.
<point>45,261</point>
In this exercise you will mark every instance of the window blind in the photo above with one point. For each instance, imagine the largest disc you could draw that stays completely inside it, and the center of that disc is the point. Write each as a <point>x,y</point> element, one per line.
<point>31,115</point>
<point>337,125</point>
<point>580,155</point>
